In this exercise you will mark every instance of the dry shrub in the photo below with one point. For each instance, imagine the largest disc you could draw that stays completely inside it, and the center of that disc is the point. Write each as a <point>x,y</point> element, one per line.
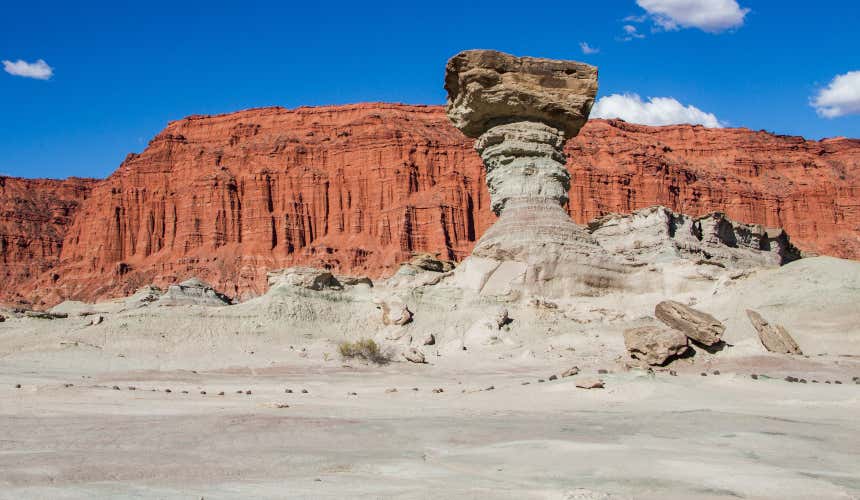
<point>366,349</point>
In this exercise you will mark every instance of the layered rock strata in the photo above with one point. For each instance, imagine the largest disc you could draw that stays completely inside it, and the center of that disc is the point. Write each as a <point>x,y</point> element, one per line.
<point>522,111</point>
<point>359,188</point>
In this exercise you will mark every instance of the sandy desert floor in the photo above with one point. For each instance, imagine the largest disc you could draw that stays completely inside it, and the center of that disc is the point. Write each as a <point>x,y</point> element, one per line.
<point>68,433</point>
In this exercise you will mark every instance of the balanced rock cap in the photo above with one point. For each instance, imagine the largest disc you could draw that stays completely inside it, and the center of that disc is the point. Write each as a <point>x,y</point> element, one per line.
<point>488,88</point>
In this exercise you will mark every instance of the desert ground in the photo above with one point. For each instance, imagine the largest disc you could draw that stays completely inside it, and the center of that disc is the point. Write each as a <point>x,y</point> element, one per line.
<point>191,401</point>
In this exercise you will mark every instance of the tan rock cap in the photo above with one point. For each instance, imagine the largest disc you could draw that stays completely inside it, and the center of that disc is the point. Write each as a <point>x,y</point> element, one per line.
<point>488,88</point>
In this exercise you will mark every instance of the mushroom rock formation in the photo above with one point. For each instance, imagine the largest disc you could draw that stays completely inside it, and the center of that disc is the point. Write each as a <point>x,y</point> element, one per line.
<point>522,110</point>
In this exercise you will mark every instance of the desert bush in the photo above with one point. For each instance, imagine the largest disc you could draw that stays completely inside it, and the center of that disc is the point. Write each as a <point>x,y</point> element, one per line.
<point>366,349</point>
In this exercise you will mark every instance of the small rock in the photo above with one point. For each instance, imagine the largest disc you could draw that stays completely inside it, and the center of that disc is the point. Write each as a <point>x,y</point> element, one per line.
<point>414,355</point>
<point>673,373</point>
<point>352,394</point>
<point>438,390</point>
<point>553,377</point>
<point>248,392</point>
<point>288,391</point>
<point>704,374</point>
<point>414,388</point>
<point>240,391</point>
<point>221,393</point>
<point>492,387</point>
<point>184,392</point>
<point>540,380</point>
<point>167,390</point>
<point>590,384</point>
<point>570,372</point>
<point>203,393</point>
<point>790,379</point>
<point>389,391</point>
<point>839,382</point>
<point>502,317</point>
<point>430,339</point>
<point>602,371</point>
<point>525,383</point>
<point>116,387</point>
<point>754,376</point>
<point>304,391</point>
<point>802,381</point>
<point>17,386</point>
<point>132,388</point>
<point>282,405</point>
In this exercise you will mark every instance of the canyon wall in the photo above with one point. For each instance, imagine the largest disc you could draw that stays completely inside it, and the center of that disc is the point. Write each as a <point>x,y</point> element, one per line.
<point>34,217</point>
<point>358,188</point>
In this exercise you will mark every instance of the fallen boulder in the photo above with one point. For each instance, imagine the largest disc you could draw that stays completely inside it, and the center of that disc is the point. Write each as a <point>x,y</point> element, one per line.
<point>655,344</point>
<point>774,338</point>
<point>697,325</point>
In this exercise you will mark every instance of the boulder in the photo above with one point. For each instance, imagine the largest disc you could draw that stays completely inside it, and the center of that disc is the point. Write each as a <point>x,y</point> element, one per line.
<point>394,312</point>
<point>697,325</point>
<point>303,277</point>
<point>655,344</point>
<point>773,337</point>
<point>414,355</point>
<point>193,291</point>
<point>429,262</point>
<point>574,370</point>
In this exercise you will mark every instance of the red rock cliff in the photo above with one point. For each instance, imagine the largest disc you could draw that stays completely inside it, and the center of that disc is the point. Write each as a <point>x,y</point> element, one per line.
<point>34,217</point>
<point>360,187</point>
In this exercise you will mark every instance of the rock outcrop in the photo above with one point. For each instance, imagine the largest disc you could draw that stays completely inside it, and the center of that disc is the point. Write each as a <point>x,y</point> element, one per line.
<point>773,337</point>
<point>358,189</point>
<point>696,325</point>
<point>655,344</point>
<point>192,291</point>
<point>656,234</point>
<point>522,111</point>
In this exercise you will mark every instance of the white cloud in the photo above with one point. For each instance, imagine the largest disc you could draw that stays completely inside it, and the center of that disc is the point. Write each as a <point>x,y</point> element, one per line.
<point>631,33</point>
<point>588,49</point>
<point>712,16</point>
<point>841,97</point>
<point>38,70</point>
<point>656,111</point>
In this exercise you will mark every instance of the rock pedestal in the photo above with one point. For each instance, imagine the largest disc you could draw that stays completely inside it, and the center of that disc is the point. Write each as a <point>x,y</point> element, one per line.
<point>522,110</point>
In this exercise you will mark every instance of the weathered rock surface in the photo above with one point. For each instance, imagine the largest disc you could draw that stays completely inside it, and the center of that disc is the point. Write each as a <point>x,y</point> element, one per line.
<point>487,88</point>
<point>34,217</point>
<point>655,344</point>
<point>394,311</point>
<point>360,188</point>
<point>697,325</point>
<point>303,277</point>
<point>773,337</point>
<point>523,110</point>
<point>193,291</point>
<point>414,355</point>
<point>656,234</point>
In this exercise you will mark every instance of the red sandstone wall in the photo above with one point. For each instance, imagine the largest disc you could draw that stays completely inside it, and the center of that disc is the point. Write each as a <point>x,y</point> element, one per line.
<point>358,188</point>
<point>34,217</point>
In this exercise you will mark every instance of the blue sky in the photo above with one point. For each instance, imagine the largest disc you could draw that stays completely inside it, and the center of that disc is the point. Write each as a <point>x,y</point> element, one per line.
<point>119,73</point>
